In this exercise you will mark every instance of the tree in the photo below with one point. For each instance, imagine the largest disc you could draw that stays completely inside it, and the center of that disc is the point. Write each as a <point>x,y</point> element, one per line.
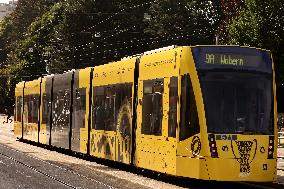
<point>184,22</point>
<point>261,24</point>
<point>12,34</point>
<point>229,10</point>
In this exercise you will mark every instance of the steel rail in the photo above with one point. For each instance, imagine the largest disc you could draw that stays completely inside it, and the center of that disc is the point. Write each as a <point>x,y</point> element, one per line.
<point>38,171</point>
<point>62,168</point>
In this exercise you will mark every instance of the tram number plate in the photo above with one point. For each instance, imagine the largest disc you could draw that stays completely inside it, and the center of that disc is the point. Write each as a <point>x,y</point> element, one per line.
<point>226,137</point>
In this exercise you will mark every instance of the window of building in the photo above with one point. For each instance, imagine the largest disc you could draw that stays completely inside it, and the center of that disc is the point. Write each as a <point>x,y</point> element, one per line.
<point>173,101</point>
<point>152,107</point>
<point>189,124</point>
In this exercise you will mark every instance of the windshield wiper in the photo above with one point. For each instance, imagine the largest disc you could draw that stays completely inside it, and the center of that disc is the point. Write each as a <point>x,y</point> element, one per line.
<point>246,132</point>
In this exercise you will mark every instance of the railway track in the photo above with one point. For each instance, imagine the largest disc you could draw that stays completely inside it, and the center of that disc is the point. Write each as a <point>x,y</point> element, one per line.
<point>39,171</point>
<point>62,168</point>
<point>55,177</point>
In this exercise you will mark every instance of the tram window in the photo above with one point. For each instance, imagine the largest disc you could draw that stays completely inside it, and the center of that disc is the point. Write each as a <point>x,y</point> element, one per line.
<point>152,107</point>
<point>172,120</point>
<point>61,108</point>
<point>107,103</point>
<point>57,111</point>
<point>98,109</point>
<point>35,108</point>
<point>45,108</point>
<point>19,108</point>
<point>66,107</point>
<point>123,98</point>
<point>26,109</point>
<point>189,124</point>
<point>30,108</point>
<point>80,107</point>
<point>110,108</point>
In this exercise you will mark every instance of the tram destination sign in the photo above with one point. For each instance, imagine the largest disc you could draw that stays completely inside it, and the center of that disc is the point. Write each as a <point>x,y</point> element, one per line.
<point>227,57</point>
<point>232,59</point>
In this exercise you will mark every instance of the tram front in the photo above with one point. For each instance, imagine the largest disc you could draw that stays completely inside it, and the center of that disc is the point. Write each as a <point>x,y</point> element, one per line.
<point>237,85</point>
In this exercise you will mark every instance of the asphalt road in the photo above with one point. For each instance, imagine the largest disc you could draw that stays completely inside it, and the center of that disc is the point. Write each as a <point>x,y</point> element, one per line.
<point>17,170</point>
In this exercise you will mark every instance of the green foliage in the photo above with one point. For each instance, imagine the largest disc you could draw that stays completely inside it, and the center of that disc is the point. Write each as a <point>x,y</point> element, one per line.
<point>185,21</point>
<point>14,44</point>
<point>261,24</point>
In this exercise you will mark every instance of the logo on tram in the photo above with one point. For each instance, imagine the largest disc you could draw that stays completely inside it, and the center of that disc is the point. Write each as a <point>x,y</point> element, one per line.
<point>244,152</point>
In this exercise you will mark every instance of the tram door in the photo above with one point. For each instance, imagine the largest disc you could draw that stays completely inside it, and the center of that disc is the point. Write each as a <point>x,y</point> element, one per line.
<point>189,159</point>
<point>155,146</point>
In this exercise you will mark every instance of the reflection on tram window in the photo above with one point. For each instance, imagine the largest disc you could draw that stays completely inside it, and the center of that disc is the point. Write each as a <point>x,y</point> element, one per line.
<point>79,108</point>
<point>238,102</point>
<point>19,108</point>
<point>107,103</point>
<point>61,108</point>
<point>98,109</point>
<point>173,98</point>
<point>31,108</point>
<point>152,108</point>
<point>189,125</point>
<point>46,108</point>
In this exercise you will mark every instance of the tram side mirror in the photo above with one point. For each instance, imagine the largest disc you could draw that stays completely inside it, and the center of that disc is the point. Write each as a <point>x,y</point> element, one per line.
<point>241,124</point>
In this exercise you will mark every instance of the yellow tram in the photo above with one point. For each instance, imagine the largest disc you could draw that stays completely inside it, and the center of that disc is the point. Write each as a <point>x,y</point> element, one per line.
<point>204,112</point>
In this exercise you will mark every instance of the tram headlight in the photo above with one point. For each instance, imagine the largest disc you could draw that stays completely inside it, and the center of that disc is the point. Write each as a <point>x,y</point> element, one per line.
<point>213,146</point>
<point>271,147</point>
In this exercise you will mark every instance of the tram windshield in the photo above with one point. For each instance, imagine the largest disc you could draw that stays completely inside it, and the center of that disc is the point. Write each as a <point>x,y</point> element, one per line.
<point>237,87</point>
<point>237,102</point>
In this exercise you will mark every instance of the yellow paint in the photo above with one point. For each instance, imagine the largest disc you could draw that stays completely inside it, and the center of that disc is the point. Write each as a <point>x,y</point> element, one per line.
<point>84,82</point>
<point>30,129</point>
<point>123,143</point>
<point>227,167</point>
<point>103,144</point>
<point>18,124</point>
<point>157,153</point>
<point>42,132</point>
<point>113,73</point>
<point>184,153</point>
